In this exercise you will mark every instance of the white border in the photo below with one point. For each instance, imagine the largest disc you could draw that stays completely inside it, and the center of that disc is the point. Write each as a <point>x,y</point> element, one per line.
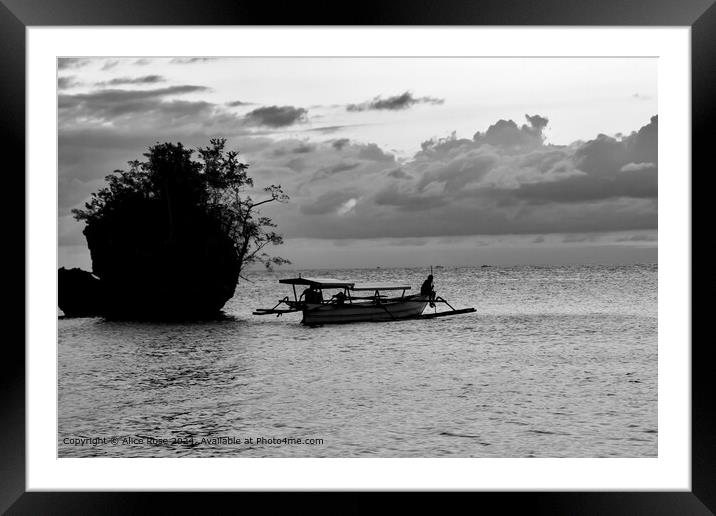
<point>671,470</point>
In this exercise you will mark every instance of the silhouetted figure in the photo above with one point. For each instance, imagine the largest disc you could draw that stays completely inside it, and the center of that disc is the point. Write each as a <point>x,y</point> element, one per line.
<point>312,296</point>
<point>427,289</point>
<point>340,298</point>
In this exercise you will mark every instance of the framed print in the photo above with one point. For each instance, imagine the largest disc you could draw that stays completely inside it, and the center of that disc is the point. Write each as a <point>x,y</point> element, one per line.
<point>440,251</point>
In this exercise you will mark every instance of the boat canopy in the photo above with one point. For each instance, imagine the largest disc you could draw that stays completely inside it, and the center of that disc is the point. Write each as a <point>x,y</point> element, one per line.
<point>379,286</point>
<point>319,282</point>
<point>336,283</point>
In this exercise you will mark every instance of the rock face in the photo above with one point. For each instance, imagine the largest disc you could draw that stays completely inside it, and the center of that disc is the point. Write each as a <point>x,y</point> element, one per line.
<point>151,271</point>
<point>79,293</point>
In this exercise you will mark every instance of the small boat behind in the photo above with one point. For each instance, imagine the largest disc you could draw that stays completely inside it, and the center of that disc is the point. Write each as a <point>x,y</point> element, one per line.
<point>355,302</point>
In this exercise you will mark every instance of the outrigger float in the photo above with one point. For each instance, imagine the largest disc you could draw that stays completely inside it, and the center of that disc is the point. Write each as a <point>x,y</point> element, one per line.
<point>355,303</point>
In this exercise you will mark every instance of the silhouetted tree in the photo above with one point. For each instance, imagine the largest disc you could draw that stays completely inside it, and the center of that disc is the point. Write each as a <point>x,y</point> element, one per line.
<point>171,235</point>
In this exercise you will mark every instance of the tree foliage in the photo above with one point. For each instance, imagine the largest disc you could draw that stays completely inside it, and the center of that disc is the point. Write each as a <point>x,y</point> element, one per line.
<point>216,184</point>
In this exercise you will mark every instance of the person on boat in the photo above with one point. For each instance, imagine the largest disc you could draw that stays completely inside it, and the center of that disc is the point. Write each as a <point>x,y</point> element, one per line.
<point>310,295</point>
<point>306,295</point>
<point>340,298</point>
<point>427,289</point>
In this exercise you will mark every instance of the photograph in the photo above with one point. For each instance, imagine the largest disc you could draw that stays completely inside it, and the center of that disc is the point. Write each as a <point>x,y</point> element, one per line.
<point>348,257</point>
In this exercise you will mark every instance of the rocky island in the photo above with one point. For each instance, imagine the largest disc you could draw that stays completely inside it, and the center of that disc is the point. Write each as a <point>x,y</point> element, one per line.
<point>170,236</point>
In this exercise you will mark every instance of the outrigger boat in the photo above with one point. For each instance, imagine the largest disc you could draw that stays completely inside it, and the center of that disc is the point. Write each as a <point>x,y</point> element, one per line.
<point>351,304</point>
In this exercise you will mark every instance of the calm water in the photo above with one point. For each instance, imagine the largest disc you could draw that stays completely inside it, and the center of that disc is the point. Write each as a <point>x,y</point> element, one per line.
<point>557,362</point>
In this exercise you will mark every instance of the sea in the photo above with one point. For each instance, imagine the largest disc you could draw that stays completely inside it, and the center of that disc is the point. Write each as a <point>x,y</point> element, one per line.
<point>557,361</point>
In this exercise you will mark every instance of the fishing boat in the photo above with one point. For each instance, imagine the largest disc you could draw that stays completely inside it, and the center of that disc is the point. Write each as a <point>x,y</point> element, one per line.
<point>355,302</point>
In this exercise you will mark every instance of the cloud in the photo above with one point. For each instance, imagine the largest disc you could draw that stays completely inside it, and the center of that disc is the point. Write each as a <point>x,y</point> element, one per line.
<point>372,152</point>
<point>397,102</point>
<point>328,129</point>
<point>330,202</point>
<point>101,130</point>
<point>108,104</point>
<point>192,60</point>
<point>276,116</point>
<point>504,179</point>
<point>340,143</point>
<point>337,168</point>
<point>67,82</point>
<point>239,103</point>
<point>65,63</point>
<point>408,201</point>
<point>607,168</point>
<point>459,170</point>
<point>506,133</point>
<point>112,63</point>
<point>399,173</point>
<point>145,79</point>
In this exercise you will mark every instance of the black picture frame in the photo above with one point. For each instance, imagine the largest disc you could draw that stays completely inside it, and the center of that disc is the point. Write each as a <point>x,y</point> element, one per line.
<point>17,15</point>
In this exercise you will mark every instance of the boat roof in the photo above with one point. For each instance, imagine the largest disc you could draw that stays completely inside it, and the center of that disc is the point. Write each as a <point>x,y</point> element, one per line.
<point>380,286</point>
<point>319,282</point>
<point>337,283</point>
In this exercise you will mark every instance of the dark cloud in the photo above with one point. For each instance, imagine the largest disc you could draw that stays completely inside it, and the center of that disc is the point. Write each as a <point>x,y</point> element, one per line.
<point>408,201</point>
<point>461,170</point>
<point>339,143</point>
<point>303,148</point>
<point>65,63</point>
<point>591,188</point>
<point>506,133</point>
<point>327,129</point>
<point>372,152</point>
<point>276,116</point>
<point>537,122</point>
<point>108,65</point>
<point>110,103</point>
<point>67,82</point>
<point>300,148</point>
<point>442,147</point>
<point>145,79</point>
<point>399,173</point>
<point>397,102</point>
<point>606,168</point>
<point>336,168</point>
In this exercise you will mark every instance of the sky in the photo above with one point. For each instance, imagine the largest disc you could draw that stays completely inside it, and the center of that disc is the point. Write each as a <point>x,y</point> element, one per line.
<point>391,161</point>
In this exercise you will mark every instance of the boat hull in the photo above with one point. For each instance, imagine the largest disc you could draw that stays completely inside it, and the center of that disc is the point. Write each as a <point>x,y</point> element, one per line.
<point>389,310</point>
